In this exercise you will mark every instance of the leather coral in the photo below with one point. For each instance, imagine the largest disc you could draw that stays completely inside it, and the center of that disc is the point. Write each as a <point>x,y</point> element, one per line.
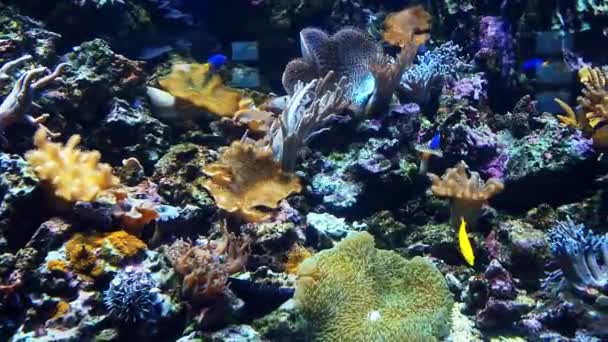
<point>246,178</point>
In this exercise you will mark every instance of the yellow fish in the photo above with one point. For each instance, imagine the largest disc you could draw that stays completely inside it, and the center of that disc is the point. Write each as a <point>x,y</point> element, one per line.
<point>465,245</point>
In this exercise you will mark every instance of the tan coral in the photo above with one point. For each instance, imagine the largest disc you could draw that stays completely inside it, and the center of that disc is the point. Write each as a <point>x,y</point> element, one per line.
<point>197,85</point>
<point>247,178</point>
<point>466,193</point>
<point>73,175</point>
<point>413,22</point>
<point>256,120</point>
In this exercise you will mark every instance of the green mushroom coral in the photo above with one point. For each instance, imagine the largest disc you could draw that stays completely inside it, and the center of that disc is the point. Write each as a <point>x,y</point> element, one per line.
<point>355,292</point>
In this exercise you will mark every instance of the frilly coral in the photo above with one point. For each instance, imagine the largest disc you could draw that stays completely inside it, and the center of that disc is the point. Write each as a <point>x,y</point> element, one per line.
<point>74,175</point>
<point>196,85</point>
<point>410,23</point>
<point>467,194</point>
<point>355,292</point>
<point>246,178</point>
<point>348,53</point>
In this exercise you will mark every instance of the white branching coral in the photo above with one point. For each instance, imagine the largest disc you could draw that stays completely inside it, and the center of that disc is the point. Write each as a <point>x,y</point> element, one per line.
<point>307,114</point>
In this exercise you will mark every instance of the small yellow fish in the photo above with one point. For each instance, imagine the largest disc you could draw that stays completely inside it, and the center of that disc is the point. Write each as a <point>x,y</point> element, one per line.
<point>465,245</point>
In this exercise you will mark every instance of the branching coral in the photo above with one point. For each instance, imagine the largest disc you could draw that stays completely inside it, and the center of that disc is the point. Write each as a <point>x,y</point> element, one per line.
<point>247,178</point>
<point>308,111</point>
<point>410,23</point>
<point>431,71</point>
<point>467,194</point>
<point>592,112</point>
<point>205,269</point>
<point>198,86</point>
<point>73,175</point>
<point>16,105</point>
<point>582,256</point>
<point>355,292</point>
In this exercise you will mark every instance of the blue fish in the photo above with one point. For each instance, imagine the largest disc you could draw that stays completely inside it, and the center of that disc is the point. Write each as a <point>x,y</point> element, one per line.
<point>217,61</point>
<point>532,64</point>
<point>435,143</point>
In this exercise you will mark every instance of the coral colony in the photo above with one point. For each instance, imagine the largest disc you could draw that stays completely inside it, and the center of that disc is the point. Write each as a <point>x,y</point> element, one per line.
<point>339,170</point>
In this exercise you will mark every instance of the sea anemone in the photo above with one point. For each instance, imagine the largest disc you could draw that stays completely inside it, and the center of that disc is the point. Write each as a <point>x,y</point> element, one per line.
<point>132,297</point>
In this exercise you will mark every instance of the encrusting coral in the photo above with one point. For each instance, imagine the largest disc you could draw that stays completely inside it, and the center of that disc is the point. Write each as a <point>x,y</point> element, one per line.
<point>355,292</point>
<point>197,85</point>
<point>246,178</point>
<point>16,105</point>
<point>72,174</point>
<point>467,194</point>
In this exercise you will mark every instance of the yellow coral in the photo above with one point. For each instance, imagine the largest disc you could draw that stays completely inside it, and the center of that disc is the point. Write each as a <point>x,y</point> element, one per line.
<point>80,252</point>
<point>296,256</point>
<point>61,309</point>
<point>355,292</point>
<point>247,178</point>
<point>197,85</point>
<point>413,23</point>
<point>73,174</point>
<point>126,244</point>
<point>57,265</point>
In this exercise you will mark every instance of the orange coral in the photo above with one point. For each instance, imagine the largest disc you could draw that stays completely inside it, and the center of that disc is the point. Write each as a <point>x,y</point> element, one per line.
<point>257,120</point>
<point>57,265</point>
<point>403,26</point>
<point>197,85</point>
<point>73,174</point>
<point>126,244</point>
<point>80,253</point>
<point>247,178</point>
<point>136,206</point>
<point>296,255</point>
<point>61,309</point>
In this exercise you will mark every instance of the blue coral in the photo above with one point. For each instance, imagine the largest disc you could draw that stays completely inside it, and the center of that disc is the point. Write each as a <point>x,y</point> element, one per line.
<point>133,297</point>
<point>581,255</point>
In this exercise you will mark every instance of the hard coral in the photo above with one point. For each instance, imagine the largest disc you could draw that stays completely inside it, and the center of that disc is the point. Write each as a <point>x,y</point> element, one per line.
<point>74,175</point>
<point>198,86</point>
<point>467,193</point>
<point>356,292</point>
<point>246,178</point>
<point>410,23</point>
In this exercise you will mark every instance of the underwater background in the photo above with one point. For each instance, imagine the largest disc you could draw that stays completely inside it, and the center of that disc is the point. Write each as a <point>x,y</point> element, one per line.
<point>303,170</point>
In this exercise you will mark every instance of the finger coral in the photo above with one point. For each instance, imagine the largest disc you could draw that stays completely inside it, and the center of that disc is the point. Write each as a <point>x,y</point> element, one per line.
<point>198,86</point>
<point>410,23</point>
<point>73,175</point>
<point>355,292</point>
<point>247,178</point>
<point>467,194</point>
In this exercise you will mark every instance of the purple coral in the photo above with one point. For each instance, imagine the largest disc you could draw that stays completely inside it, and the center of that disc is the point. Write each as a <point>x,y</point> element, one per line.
<point>496,43</point>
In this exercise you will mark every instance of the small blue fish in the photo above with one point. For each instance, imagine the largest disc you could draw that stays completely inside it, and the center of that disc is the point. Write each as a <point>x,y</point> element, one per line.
<point>532,64</point>
<point>217,61</point>
<point>435,143</point>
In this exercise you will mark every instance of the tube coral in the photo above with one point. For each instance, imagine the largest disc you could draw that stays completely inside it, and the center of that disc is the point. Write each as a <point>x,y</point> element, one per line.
<point>355,292</point>
<point>246,178</point>
<point>467,194</point>
<point>74,175</point>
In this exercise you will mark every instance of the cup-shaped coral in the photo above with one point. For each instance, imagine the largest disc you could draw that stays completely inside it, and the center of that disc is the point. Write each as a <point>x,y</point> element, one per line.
<point>198,86</point>
<point>247,178</point>
<point>467,194</point>
<point>73,175</point>
<point>355,292</point>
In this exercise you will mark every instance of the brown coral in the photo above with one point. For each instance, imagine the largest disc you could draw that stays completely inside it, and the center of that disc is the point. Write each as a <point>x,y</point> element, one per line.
<point>197,85</point>
<point>136,206</point>
<point>74,175</point>
<point>297,254</point>
<point>467,194</point>
<point>247,178</point>
<point>410,23</point>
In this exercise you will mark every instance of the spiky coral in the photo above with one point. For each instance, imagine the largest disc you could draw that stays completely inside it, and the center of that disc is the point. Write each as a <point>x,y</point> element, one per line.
<point>132,297</point>
<point>198,86</point>
<point>16,105</point>
<point>72,174</point>
<point>246,178</point>
<point>308,111</point>
<point>355,292</point>
<point>467,194</point>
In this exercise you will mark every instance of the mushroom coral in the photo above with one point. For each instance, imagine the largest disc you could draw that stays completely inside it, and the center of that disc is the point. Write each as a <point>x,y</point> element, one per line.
<point>246,178</point>
<point>591,114</point>
<point>74,175</point>
<point>355,292</point>
<point>198,86</point>
<point>467,194</point>
<point>413,22</point>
